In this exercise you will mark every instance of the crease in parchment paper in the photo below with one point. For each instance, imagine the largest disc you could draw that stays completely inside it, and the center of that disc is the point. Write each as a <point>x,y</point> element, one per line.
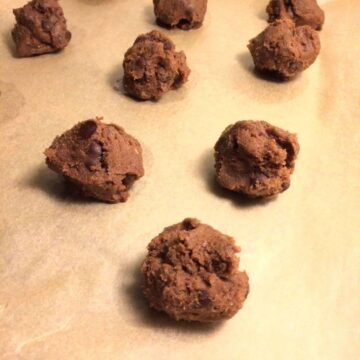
<point>61,328</point>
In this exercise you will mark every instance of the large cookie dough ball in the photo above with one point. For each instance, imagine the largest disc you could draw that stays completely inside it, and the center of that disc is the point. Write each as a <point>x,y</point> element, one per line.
<point>191,273</point>
<point>100,161</point>
<point>255,158</point>
<point>152,67</point>
<point>184,14</point>
<point>302,12</point>
<point>40,28</point>
<point>284,49</point>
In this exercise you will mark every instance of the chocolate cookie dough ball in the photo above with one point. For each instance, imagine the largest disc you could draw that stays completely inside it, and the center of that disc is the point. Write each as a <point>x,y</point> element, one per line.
<point>302,12</point>
<point>40,28</point>
<point>191,273</point>
<point>152,67</point>
<point>184,14</point>
<point>99,161</point>
<point>255,158</point>
<point>285,50</point>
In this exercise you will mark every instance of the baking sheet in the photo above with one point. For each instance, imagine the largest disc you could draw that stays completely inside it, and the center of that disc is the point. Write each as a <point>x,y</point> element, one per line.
<point>68,269</point>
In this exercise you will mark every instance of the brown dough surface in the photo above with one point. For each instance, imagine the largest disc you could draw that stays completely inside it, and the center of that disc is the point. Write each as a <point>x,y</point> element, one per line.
<point>100,161</point>
<point>184,14</point>
<point>152,67</point>
<point>284,49</point>
<point>255,158</point>
<point>191,273</point>
<point>302,12</point>
<point>40,28</point>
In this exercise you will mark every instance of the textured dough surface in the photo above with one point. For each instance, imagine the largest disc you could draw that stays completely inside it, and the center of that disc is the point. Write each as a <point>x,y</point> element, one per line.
<point>255,158</point>
<point>284,49</point>
<point>184,14</point>
<point>302,12</point>
<point>191,273</point>
<point>152,67</point>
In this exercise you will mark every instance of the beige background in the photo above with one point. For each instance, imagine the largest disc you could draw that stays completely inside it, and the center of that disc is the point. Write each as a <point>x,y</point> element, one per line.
<point>68,270</point>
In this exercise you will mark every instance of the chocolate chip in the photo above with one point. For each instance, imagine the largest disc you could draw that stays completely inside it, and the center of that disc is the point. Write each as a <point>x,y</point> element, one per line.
<point>94,154</point>
<point>285,186</point>
<point>128,180</point>
<point>293,66</point>
<point>40,6</point>
<point>203,298</point>
<point>90,162</point>
<point>95,149</point>
<point>47,25</point>
<point>219,266</point>
<point>168,45</point>
<point>87,129</point>
<point>183,22</point>
<point>190,224</point>
<point>258,177</point>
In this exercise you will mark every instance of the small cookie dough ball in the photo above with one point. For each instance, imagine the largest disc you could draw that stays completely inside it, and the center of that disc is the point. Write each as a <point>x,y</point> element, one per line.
<point>40,28</point>
<point>302,12</point>
<point>152,67</point>
<point>255,158</point>
<point>283,49</point>
<point>99,161</point>
<point>191,273</point>
<point>184,14</point>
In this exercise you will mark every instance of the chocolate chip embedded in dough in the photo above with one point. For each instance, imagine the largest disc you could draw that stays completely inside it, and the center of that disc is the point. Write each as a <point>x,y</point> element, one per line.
<point>40,28</point>
<point>87,129</point>
<point>95,149</point>
<point>203,298</point>
<point>78,155</point>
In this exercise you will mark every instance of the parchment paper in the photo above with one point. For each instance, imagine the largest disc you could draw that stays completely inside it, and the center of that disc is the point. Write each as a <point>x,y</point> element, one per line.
<point>69,286</point>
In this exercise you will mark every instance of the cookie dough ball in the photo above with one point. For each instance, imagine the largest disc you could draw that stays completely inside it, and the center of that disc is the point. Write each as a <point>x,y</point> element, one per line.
<point>302,12</point>
<point>152,67</point>
<point>191,273</point>
<point>40,28</point>
<point>255,158</point>
<point>100,161</point>
<point>184,14</point>
<point>285,50</point>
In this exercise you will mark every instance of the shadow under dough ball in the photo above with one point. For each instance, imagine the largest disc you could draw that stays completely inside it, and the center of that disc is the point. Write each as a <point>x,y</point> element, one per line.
<point>152,67</point>
<point>100,161</point>
<point>40,28</point>
<point>184,14</point>
<point>302,12</point>
<point>283,49</point>
<point>255,158</point>
<point>191,273</point>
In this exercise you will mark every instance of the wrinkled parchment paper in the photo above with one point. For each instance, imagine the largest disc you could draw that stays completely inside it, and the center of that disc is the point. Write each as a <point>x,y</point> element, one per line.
<point>69,286</point>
